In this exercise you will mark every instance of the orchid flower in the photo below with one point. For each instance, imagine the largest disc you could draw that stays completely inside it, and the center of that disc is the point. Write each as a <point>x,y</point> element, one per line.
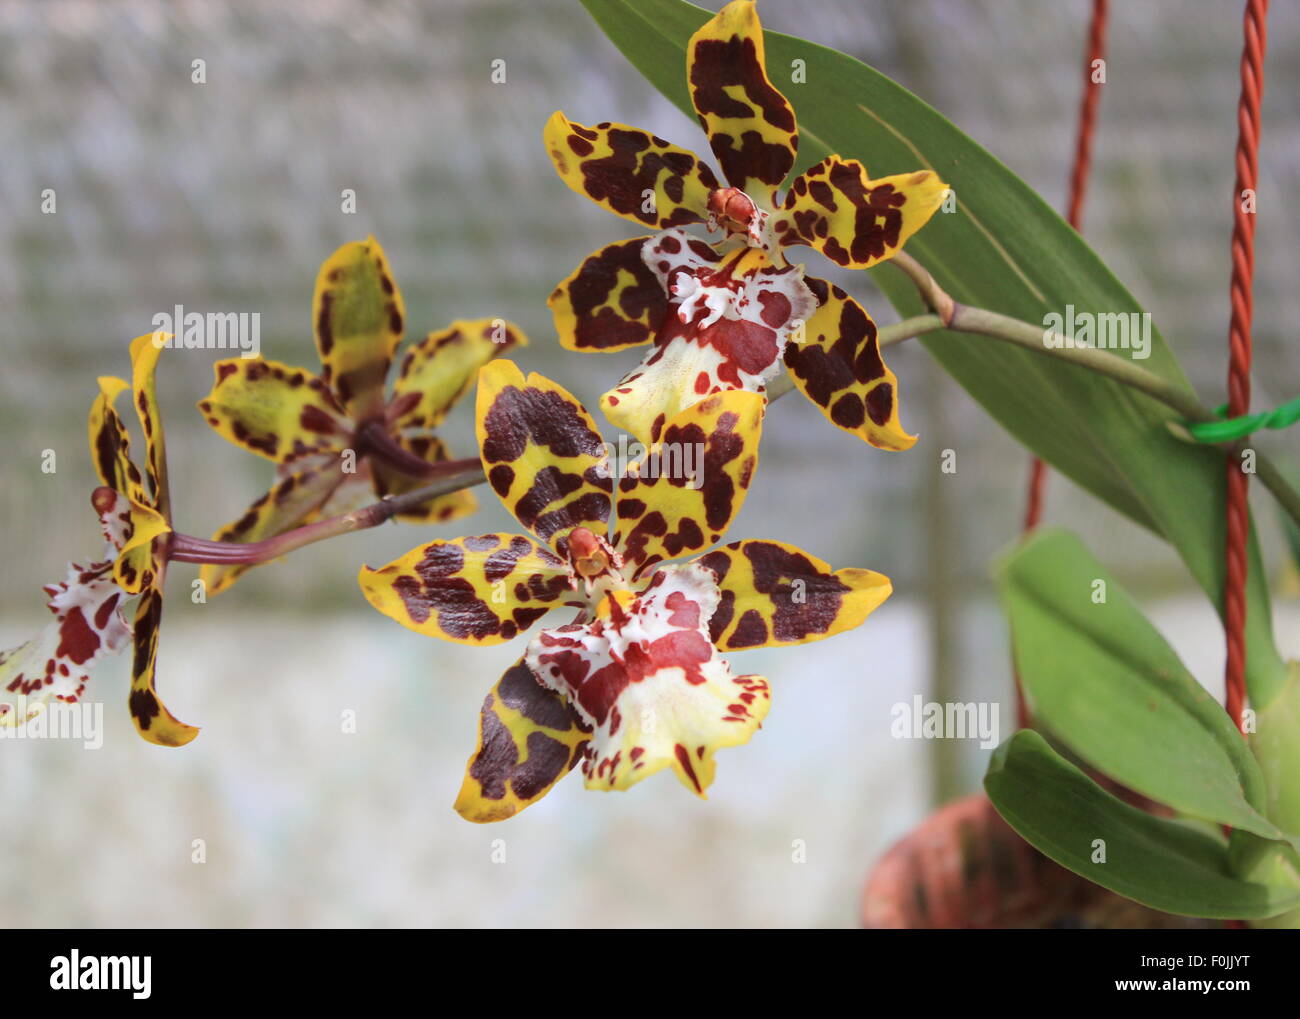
<point>89,624</point>
<point>635,683</point>
<point>337,437</point>
<point>725,315</point>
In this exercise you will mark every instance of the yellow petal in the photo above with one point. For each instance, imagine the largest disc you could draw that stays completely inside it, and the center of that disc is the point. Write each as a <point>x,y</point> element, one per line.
<point>438,371</point>
<point>751,126</point>
<point>152,720</point>
<point>110,446</point>
<point>630,172</point>
<point>542,453</point>
<point>274,410</point>
<point>839,368</point>
<point>854,221</point>
<point>145,351</point>
<point>359,316</point>
<point>528,739</point>
<point>612,301</point>
<point>685,494</point>
<point>775,594</point>
<point>480,590</point>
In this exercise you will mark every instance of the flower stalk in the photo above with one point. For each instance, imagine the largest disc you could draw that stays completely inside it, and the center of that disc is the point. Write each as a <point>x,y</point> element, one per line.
<point>451,476</point>
<point>961,318</point>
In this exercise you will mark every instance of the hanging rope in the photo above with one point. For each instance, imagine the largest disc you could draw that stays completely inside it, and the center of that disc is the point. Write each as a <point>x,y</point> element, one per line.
<point>1096,50</point>
<point>1239,349</point>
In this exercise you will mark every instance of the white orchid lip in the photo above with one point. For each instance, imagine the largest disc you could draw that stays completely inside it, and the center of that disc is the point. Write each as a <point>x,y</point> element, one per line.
<point>645,675</point>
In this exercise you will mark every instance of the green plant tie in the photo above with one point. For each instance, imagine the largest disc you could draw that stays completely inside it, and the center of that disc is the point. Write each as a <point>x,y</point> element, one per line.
<point>1232,429</point>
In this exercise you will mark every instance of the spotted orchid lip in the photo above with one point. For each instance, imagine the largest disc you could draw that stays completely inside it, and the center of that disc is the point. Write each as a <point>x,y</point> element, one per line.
<point>648,682</point>
<point>88,627</point>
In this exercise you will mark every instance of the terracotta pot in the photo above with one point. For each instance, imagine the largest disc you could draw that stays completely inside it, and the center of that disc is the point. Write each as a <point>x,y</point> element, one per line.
<point>964,867</point>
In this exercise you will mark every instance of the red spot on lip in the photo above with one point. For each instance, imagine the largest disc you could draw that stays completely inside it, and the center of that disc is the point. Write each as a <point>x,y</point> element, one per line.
<point>684,759</point>
<point>77,641</point>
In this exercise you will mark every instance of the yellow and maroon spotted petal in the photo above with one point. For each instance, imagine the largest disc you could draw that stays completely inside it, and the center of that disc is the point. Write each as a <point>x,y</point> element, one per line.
<point>110,446</point>
<point>359,317</point>
<point>145,351</point>
<point>388,481</point>
<point>751,126</point>
<point>152,719</point>
<point>136,566</point>
<point>854,221</point>
<point>839,368</point>
<point>682,497</point>
<point>611,302</point>
<point>775,594</point>
<point>289,503</point>
<point>630,172</point>
<point>542,453</point>
<point>273,409</point>
<point>652,686</point>
<point>528,739</point>
<point>88,626</point>
<point>480,590</point>
<point>438,371</point>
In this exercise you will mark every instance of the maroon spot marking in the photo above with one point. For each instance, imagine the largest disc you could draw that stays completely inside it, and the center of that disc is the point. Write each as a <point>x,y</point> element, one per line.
<point>313,419</point>
<point>501,477</point>
<point>144,707</point>
<point>580,145</point>
<point>519,416</point>
<point>324,330</point>
<point>750,631</point>
<point>880,402</point>
<point>496,758</point>
<point>848,411</point>
<point>520,691</point>
<point>547,760</point>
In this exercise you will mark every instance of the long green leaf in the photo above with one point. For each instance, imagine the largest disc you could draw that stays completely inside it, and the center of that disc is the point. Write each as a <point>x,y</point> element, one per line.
<point>1007,250</point>
<point>1100,676</point>
<point>1164,864</point>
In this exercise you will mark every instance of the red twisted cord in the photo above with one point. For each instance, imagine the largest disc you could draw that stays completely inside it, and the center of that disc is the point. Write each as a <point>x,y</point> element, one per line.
<point>1096,50</point>
<point>1239,349</point>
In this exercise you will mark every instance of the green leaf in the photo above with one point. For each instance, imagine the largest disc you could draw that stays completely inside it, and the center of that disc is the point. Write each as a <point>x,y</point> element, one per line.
<point>1004,249</point>
<point>1165,864</point>
<point>1277,748</point>
<point>1099,676</point>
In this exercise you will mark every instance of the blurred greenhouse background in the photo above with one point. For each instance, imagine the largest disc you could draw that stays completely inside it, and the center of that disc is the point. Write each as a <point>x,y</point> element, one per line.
<point>226,196</point>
